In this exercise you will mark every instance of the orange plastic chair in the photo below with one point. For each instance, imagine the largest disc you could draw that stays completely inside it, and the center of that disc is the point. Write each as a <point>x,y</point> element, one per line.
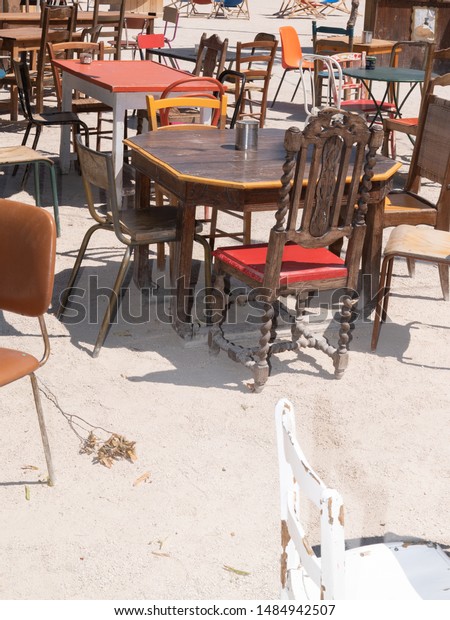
<point>291,55</point>
<point>27,268</point>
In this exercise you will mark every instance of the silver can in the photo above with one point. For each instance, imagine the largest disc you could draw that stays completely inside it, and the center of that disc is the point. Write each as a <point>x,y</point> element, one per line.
<point>247,135</point>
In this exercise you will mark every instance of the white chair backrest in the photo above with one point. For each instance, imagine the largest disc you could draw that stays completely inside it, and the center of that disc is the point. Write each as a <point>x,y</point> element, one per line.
<point>333,72</point>
<point>298,478</point>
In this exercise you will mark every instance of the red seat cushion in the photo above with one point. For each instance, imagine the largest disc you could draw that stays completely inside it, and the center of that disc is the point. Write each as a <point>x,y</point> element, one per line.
<point>299,264</point>
<point>15,365</point>
<point>366,105</point>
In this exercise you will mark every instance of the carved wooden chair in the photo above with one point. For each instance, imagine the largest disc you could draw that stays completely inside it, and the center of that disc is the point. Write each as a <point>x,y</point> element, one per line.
<point>388,570</point>
<point>296,261</point>
<point>27,268</point>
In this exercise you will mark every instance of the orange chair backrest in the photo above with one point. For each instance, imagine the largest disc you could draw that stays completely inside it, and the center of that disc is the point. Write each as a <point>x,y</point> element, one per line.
<point>27,258</point>
<point>291,50</point>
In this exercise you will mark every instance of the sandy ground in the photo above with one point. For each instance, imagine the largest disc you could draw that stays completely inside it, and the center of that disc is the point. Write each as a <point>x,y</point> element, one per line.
<point>211,499</point>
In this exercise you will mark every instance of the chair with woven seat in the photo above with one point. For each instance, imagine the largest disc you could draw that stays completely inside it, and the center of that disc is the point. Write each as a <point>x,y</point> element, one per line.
<point>404,569</point>
<point>132,227</point>
<point>27,268</point>
<point>210,62</point>
<point>19,155</point>
<point>45,119</point>
<point>291,56</point>
<point>316,209</point>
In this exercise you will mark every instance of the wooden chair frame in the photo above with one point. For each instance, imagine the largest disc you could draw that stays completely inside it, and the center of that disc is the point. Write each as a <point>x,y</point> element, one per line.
<point>327,215</point>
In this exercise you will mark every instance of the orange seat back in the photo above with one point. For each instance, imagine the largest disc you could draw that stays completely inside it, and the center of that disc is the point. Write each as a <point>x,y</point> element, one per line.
<point>291,50</point>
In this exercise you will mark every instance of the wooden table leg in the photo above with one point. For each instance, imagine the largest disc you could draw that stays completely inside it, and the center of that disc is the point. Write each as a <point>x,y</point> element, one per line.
<point>182,320</point>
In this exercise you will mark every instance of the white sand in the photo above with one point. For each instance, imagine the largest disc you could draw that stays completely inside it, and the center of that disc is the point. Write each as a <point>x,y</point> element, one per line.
<point>380,435</point>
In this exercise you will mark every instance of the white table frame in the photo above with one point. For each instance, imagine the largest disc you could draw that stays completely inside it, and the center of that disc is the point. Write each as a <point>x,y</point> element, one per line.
<point>120,102</point>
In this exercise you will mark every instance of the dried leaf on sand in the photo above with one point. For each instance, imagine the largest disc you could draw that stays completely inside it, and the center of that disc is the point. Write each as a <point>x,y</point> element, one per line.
<point>142,478</point>
<point>106,452</point>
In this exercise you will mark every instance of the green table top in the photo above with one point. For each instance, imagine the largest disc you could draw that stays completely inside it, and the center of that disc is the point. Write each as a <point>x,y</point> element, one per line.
<point>386,74</point>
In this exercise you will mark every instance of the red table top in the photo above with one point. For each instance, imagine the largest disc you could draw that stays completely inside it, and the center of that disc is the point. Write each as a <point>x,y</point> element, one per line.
<point>124,76</point>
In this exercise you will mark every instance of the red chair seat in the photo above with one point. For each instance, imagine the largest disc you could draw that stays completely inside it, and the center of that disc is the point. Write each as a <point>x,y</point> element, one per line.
<point>15,365</point>
<point>366,105</point>
<point>299,264</point>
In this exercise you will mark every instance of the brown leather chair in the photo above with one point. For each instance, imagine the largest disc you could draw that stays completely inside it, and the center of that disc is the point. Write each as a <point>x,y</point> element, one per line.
<point>27,266</point>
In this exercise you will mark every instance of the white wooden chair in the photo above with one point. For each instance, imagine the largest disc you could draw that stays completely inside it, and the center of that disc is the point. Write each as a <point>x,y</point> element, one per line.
<point>396,570</point>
